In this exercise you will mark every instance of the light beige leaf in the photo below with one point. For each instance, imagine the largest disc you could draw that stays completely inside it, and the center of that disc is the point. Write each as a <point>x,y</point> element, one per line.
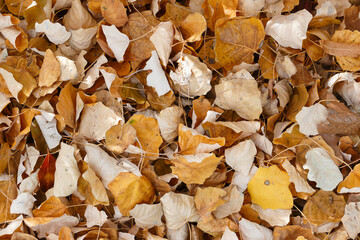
<point>50,70</point>
<point>66,173</point>
<point>11,228</point>
<point>234,201</point>
<point>97,187</point>
<point>351,219</point>
<point>250,8</point>
<point>96,120</point>
<point>241,156</point>
<point>239,92</point>
<point>340,6</point>
<point>7,20</point>
<point>322,169</point>
<point>169,120</point>
<point>289,30</point>
<point>253,231</point>
<point>14,86</point>
<point>157,78</point>
<point>162,40</point>
<point>229,235</point>
<point>82,39</point>
<point>68,70</point>
<point>192,77</point>
<point>178,209</point>
<point>301,185</point>
<point>107,169</point>
<point>310,117</point>
<point>284,92</point>
<point>275,217</point>
<point>262,142</point>
<point>93,73</point>
<point>78,17</point>
<point>116,40</point>
<point>49,131</point>
<point>94,217</point>
<point>147,215</point>
<point>55,32</point>
<point>23,204</point>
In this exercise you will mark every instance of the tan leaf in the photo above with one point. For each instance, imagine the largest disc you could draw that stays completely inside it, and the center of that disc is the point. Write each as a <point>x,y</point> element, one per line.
<point>52,207</point>
<point>216,227</point>
<point>293,232</point>
<point>119,137</point>
<point>129,190</point>
<point>193,26</point>
<point>114,12</point>
<point>207,200</point>
<point>351,183</point>
<point>237,39</point>
<point>10,193</point>
<point>65,234</point>
<point>78,17</point>
<point>50,70</point>
<point>267,61</point>
<point>194,169</point>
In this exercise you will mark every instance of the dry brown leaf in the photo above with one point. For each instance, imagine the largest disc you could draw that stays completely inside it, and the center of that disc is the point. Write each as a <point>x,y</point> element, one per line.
<point>194,169</point>
<point>129,190</point>
<point>114,12</point>
<point>298,100</point>
<point>193,26</point>
<point>66,105</point>
<point>351,18</point>
<point>293,233</point>
<point>324,207</point>
<point>50,70</point>
<point>237,39</point>
<point>267,61</point>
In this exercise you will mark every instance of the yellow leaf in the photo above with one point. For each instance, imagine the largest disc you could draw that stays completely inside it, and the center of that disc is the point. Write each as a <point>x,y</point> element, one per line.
<point>193,26</point>
<point>237,39</point>
<point>50,70</point>
<point>52,207</point>
<point>195,169</point>
<point>119,137</point>
<point>217,9</point>
<point>290,139</point>
<point>148,134</point>
<point>269,188</point>
<point>191,142</point>
<point>351,181</point>
<point>207,200</point>
<point>129,190</point>
<point>324,207</point>
<point>17,7</point>
<point>298,100</point>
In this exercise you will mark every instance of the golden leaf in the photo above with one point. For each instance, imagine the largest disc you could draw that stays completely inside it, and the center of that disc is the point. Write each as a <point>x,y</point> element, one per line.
<point>114,12</point>
<point>66,105</point>
<point>237,39</point>
<point>191,142</point>
<point>65,234</point>
<point>269,188</point>
<point>129,190</point>
<point>217,9</point>
<point>52,207</point>
<point>35,14</point>
<point>148,134</point>
<point>119,137</point>
<point>351,181</point>
<point>17,7</point>
<point>8,193</point>
<point>217,130</point>
<point>5,155</point>
<point>290,139</point>
<point>267,61</point>
<point>193,26</point>
<point>298,100</point>
<point>207,200</point>
<point>324,207</point>
<point>50,70</point>
<point>195,169</point>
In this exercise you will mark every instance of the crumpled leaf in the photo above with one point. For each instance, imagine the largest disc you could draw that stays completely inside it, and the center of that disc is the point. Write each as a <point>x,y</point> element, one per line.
<point>239,92</point>
<point>192,77</point>
<point>12,85</point>
<point>322,169</point>
<point>119,137</point>
<point>217,9</point>
<point>301,185</point>
<point>237,39</point>
<point>162,39</point>
<point>67,172</point>
<point>234,200</point>
<point>216,227</point>
<point>178,209</point>
<point>241,156</point>
<point>229,235</point>
<point>129,190</point>
<point>289,30</point>
<point>147,215</point>
<point>55,32</point>
<point>324,207</point>
<point>94,217</point>
<point>195,169</point>
<point>269,188</point>
<point>169,120</point>
<point>23,204</point>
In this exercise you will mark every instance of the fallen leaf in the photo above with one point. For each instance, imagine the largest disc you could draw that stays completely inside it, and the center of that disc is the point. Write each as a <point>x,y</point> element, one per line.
<point>229,235</point>
<point>78,17</point>
<point>309,118</point>
<point>193,26</point>
<point>301,185</point>
<point>216,227</point>
<point>65,234</point>
<point>55,32</point>
<point>207,200</point>
<point>162,39</point>
<point>233,203</point>
<point>119,137</point>
<point>129,190</point>
<point>269,188</point>
<point>241,156</point>
<point>52,207</point>
<point>114,12</point>
<point>46,173</point>
<point>50,70</point>
<point>147,215</point>
<point>217,9</point>
<point>8,193</point>
<point>116,40</point>
<point>243,38</point>
<point>351,183</point>
<point>169,120</point>
<point>253,231</point>
<point>293,232</point>
<point>94,216</point>
<point>277,217</point>
<point>23,204</point>
<point>351,219</point>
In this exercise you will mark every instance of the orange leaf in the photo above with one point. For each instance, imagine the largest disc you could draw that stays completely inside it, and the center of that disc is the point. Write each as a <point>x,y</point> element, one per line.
<point>46,173</point>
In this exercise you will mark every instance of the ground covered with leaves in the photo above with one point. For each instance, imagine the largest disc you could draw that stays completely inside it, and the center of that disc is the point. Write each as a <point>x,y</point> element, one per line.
<point>163,119</point>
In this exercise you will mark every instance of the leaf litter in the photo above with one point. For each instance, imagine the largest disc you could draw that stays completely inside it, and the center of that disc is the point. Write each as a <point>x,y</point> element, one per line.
<point>164,119</point>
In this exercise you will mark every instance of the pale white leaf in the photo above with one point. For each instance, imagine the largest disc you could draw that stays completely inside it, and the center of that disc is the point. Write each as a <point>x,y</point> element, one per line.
<point>178,209</point>
<point>181,233</point>
<point>233,204</point>
<point>14,224</point>
<point>55,32</point>
<point>239,92</point>
<point>285,68</point>
<point>49,131</point>
<point>322,169</point>
<point>67,172</point>
<point>102,164</point>
<point>326,9</point>
<point>68,69</point>
<point>289,30</point>
<point>253,231</point>
<point>125,236</point>
<point>275,217</point>
<point>241,156</point>
<point>96,120</point>
<point>284,92</point>
<point>116,40</point>
<point>30,183</point>
<point>147,215</point>
<point>309,118</point>
<point>4,101</point>
<point>156,78</point>
<point>262,142</point>
<point>108,77</point>
<point>192,77</point>
<point>93,73</point>
<point>162,40</point>
<point>23,204</point>
<point>301,185</point>
<point>82,39</point>
<point>5,21</point>
<point>351,219</point>
<point>250,8</point>
<point>169,120</point>
<point>211,116</point>
<point>13,85</point>
<point>229,235</point>
<point>11,34</point>
<point>339,5</point>
<point>241,181</point>
<point>94,217</point>
<point>53,226</point>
